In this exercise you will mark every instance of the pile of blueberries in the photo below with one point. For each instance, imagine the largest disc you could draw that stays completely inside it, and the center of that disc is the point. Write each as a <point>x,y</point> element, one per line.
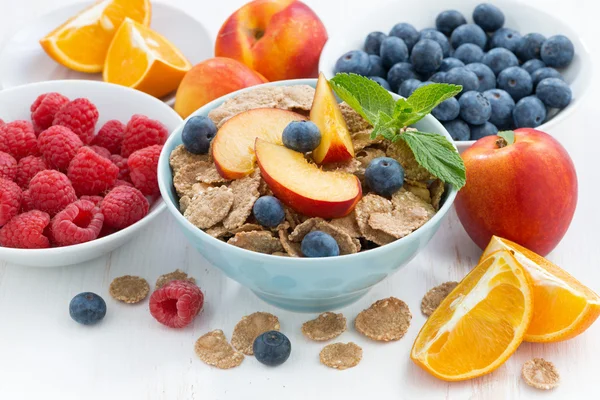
<point>509,81</point>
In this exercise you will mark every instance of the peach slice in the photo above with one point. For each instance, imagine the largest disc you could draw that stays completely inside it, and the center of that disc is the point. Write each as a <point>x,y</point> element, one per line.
<point>336,143</point>
<point>304,186</point>
<point>233,146</point>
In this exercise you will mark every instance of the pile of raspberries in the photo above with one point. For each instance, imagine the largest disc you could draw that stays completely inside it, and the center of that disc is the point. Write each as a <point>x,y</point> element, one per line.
<point>61,183</point>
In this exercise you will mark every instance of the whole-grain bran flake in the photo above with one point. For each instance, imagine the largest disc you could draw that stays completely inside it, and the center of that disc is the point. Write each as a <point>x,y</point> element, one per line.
<point>348,224</point>
<point>386,320</point>
<point>213,349</point>
<point>245,193</point>
<point>540,374</point>
<point>129,289</point>
<point>341,355</point>
<point>250,327</point>
<point>259,241</point>
<point>325,327</point>
<point>400,151</point>
<point>344,241</point>
<point>304,229</point>
<point>177,275</point>
<point>434,297</point>
<point>207,173</point>
<point>181,157</point>
<point>291,248</point>
<point>436,189</point>
<point>209,208</point>
<point>186,177</point>
<point>370,204</point>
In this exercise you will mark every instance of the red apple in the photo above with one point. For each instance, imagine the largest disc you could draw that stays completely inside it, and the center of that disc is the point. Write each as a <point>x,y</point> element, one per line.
<point>525,192</point>
<point>304,186</point>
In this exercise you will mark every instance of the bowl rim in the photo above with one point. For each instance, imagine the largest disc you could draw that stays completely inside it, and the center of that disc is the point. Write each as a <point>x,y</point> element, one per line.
<point>159,206</point>
<point>164,165</point>
<point>587,65</point>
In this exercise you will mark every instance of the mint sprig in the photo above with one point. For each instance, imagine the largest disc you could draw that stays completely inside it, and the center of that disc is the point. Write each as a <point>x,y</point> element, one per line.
<point>388,117</point>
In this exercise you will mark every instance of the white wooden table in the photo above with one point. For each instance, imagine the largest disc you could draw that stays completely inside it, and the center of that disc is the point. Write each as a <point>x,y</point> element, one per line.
<point>45,355</point>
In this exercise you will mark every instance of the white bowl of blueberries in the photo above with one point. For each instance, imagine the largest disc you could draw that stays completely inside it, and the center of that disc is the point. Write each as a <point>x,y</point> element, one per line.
<point>518,69</point>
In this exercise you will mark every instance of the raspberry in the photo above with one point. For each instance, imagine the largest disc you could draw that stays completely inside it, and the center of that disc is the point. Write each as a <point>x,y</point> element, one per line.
<point>59,145</point>
<point>176,304</point>
<point>91,173</point>
<point>79,115</point>
<point>27,202</point>
<point>143,165</point>
<point>2,122</point>
<point>79,222</point>
<point>44,108</point>
<point>51,191</point>
<point>142,132</point>
<point>27,168</point>
<point>10,200</point>
<point>26,231</point>
<point>97,200</point>
<point>101,150</point>
<point>110,136</point>
<point>8,166</point>
<point>18,139</point>
<point>119,182</point>
<point>121,162</point>
<point>123,206</point>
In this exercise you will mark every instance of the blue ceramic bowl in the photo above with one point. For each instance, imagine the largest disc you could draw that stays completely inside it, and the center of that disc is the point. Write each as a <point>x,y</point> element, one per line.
<point>301,284</point>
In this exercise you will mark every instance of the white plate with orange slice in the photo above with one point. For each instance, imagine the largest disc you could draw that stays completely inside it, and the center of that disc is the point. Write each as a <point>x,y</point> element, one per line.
<point>23,60</point>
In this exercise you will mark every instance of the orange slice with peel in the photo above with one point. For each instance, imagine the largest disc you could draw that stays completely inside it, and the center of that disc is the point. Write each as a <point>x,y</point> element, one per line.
<point>481,322</point>
<point>142,59</point>
<point>81,43</point>
<point>563,306</point>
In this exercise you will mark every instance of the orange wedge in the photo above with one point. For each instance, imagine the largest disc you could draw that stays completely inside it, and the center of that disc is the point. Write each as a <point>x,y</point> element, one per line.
<point>142,59</point>
<point>81,43</point>
<point>563,306</point>
<point>481,322</point>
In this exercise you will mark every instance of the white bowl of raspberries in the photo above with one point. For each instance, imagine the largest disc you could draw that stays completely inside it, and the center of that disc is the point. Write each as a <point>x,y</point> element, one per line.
<point>78,166</point>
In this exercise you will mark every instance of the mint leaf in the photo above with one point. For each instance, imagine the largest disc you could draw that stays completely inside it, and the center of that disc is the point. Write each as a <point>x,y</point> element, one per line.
<point>386,126</point>
<point>364,95</point>
<point>426,98</point>
<point>509,136</point>
<point>437,155</point>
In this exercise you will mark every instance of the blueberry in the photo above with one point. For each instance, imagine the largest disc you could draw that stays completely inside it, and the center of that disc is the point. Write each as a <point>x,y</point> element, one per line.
<point>540,74</point>
<point>376,66</point>
<point>487,79</point>
<point>87,308</point>
<point>554,93</point>
<point>272,348</point>
<point>426,56</point>
<point>448,21</point>
<point>458,129</point>
<point>529,46</point>
<point>399,73</point>
<point>393,50</point>
<point>384,176</point>
<point>506,38</point>
<point>438,37</point>
<point>502,108</point>
<point>449,63</point>
<point>533,65</point>
<point>488,17</point>
<point>438,77</point>
<point>319,244</point>
<point>474,108</point>
<point>469,53</point>
<point>529,112</point>
<point>408,87</point>
<point>373,42</point>
<point>382,82</point>
<point>447,110</point>
<point>483,130</point>
<point>197,134</point>
<point>406,32</point>
<point>302,136</point>
<point>516,81</point>
<point>499,59</point>
<point>268,211</point>
<point>469,33</point>
<point>355,61</point>
<point>557,51</point>
<point>463,76</point>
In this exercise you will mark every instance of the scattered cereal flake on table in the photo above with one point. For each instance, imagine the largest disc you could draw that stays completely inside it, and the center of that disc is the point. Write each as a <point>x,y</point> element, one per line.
<point>247,228</point>
<point>386,320</point>
<point>354,121</point>
<point>348,224</point>
<point>343,239</point>
<point>180,157</point>
<point>218,231</point>
<point>207,173</point>
<point>304,229</point>
<point>129,289</point>
<point>259,241</point>
<point>400,151</point>
<point>434,297</point>
<point>325,327</point>
<point>370,204</point>
<point>213,349</point>
<point>185,178</point>
<point>177,275</point>
<point>250,327</point>
<point>540,374</point>
<point>291,248</point>
<point>436,188</point>
<point>419,191</point>
<point>341,355</point>
<point>245,193</point>
<point>209,208</point>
